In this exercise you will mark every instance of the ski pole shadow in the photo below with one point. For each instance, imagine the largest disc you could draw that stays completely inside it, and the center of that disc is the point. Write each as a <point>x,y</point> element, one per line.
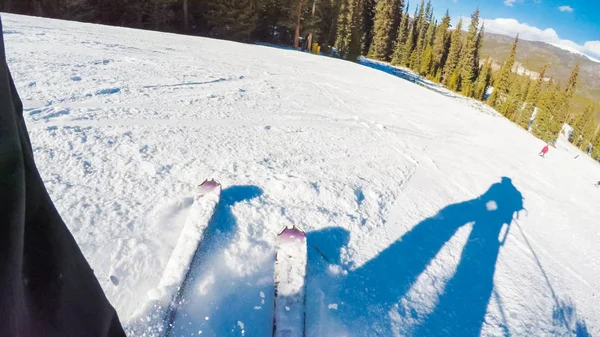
<point>219,233</point>
<point>366,295</point>
<point>564,313</point>
<point>564,317</point>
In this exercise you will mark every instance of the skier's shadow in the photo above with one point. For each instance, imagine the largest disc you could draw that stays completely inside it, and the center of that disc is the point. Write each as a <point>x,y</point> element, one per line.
<point>366,295</point>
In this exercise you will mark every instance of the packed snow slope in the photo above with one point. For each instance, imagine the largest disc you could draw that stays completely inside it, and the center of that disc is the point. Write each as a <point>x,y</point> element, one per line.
<point>405,193</point>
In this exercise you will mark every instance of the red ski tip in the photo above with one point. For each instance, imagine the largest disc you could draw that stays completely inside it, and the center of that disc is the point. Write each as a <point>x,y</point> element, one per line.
<point>292,232</point>
<point>208,185</point>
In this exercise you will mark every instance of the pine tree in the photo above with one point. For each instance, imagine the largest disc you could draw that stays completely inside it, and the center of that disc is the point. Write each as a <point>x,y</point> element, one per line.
<point>478,48</point>
<point>584,127</point>
<point>508,108</point>
<point>543,119</point>
<point>350,29</point>
<point>572,83</point>
<point>386,14</point>
<point>483,81</point>
<point>158,11</point>
<point>522,95</point>
<point>356,44</point>
<point>532,96</point>
<point>524,111</point>
<point>423,23</point>
<point>534,89</point>
<point>454,53</point>
<point>368,22</point>
<point>401,39</point>
<point>470,54</point>
<point>546,124</point>
<point>420,29</point>
<point>296,14</point>
<point>419,16</point>
<point>518,93</point>
<point>441,45</point>
<point>426,60</point>
<point>502,83</point>
<point>409,46</point>
<point>454,80</point>
<point>231,19</point>
<point>329,13</point>
<point>344,31</point>
<point>399,14</point>
<point>596,146</point>
<point>291,16</point>
<point>269,16</point>
<point>587,136</point>
<point>312,23</point>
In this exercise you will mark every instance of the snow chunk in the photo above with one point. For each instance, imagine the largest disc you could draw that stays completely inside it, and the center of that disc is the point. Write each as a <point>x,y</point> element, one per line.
<point>335,269</point>
<point>491,206</point>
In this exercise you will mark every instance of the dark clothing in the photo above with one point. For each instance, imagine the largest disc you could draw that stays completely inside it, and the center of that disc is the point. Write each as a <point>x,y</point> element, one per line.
<point>47,287</point>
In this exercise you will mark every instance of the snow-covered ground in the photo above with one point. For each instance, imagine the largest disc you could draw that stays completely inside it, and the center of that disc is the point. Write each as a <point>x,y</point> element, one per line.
<point>399,188</point>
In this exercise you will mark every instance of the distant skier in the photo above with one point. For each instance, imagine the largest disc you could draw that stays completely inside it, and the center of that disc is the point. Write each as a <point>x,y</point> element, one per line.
<point>544,151</point>
<point>597,184</point>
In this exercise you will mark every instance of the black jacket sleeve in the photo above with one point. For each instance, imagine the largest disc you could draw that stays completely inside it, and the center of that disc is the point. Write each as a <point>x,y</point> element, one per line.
<point>47,288</point>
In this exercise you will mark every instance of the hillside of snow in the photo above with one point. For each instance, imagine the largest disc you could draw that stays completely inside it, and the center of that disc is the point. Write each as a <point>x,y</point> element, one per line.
<point>408,195</point>
<point>574,50</point>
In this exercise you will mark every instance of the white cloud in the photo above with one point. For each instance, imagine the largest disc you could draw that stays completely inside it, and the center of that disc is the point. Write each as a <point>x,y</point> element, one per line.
<point>593,47</point>
<point>509,3</point>
<point>566,9</point>
<point>512,27</point>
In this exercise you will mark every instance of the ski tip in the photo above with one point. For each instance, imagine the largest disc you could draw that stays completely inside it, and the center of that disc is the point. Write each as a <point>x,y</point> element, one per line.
<point>292,232</point>
<point>208,185</point>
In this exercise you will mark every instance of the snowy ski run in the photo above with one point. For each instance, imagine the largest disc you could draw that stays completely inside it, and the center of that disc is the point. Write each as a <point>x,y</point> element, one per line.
<point>406,193</point>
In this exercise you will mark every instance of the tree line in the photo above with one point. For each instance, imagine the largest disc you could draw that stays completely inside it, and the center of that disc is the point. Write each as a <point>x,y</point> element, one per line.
<point>379,29</point>
<point>274,21</point>
<point>543,105</point>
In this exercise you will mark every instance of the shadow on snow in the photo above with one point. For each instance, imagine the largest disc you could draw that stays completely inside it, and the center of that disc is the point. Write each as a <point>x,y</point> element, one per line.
<point>365,296</point>
<point>405,75</point>
<point>190,316</point>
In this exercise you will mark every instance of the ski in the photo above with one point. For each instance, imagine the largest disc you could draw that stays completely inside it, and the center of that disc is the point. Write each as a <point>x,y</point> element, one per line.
<point>175,273</point>
<point>290,288</point>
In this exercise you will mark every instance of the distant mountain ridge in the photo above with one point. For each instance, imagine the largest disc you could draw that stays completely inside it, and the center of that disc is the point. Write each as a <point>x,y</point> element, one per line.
<point>533,55</point>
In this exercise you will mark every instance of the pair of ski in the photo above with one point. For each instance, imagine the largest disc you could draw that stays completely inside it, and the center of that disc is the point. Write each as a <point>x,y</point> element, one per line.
<point>290,265</point>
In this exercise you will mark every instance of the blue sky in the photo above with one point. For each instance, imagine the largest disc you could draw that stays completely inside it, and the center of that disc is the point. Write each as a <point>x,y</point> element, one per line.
<point>571,24</point>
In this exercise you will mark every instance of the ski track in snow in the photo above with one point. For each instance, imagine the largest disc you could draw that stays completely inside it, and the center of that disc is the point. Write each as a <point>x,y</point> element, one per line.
<point>125,123</point>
